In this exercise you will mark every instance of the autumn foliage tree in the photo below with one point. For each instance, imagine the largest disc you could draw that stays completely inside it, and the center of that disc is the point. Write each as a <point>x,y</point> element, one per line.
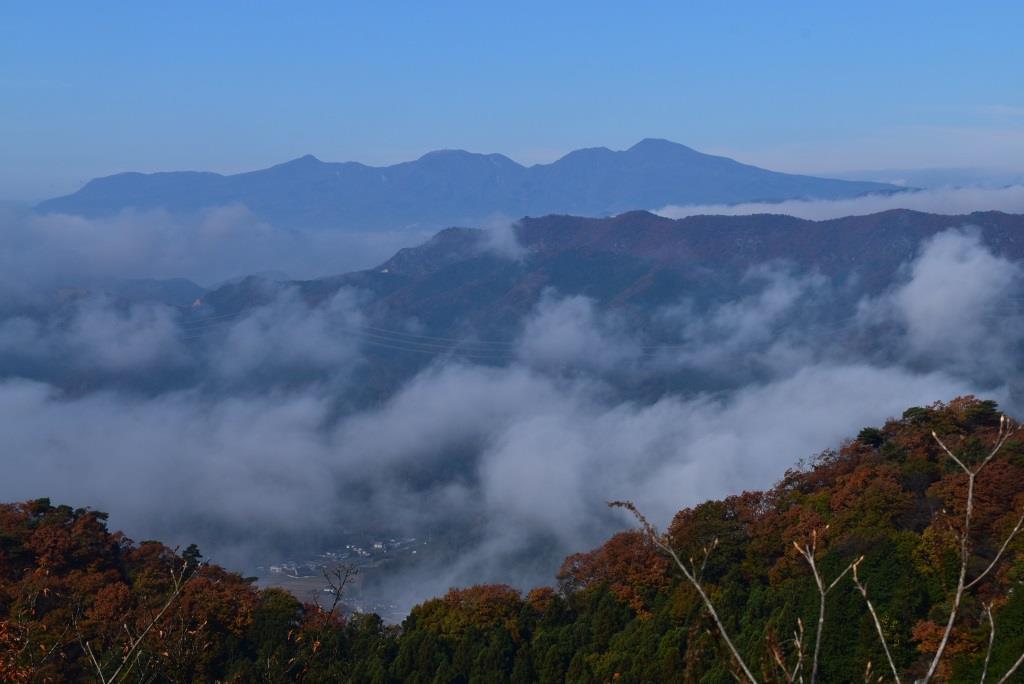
<point>869,497</point>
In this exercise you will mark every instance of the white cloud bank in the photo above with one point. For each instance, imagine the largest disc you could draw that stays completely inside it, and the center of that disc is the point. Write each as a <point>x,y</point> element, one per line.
<point>937,201</point>
<point>515,453</point>
<point>215,245</point>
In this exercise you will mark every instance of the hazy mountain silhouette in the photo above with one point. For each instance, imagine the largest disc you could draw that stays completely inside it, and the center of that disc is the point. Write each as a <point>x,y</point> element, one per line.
<point>450,187</point>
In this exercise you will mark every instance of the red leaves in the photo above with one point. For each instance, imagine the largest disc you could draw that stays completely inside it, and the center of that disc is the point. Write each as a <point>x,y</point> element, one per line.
<point>628,563</point>
<point>67,581</point>
<point>870,496</point>
<point>12,642</point>
<point>540,599</point>
<point>483,607</point>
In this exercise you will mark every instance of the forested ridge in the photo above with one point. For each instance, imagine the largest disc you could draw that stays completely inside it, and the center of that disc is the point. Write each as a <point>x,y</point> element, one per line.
<point>883,517</point>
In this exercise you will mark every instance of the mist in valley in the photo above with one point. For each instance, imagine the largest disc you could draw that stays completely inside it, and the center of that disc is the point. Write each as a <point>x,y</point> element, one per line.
<point>254,433</point>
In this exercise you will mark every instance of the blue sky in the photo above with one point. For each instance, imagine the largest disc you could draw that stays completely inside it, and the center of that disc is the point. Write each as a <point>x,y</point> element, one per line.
<point>88,89</point>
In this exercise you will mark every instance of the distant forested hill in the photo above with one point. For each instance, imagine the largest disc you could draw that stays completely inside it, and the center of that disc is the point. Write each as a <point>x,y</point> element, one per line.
<point>470,300</point>
<point>462,295</point>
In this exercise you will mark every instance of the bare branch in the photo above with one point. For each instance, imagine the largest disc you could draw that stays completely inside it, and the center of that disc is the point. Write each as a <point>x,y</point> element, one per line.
<point>179,583</point>
<point>1012,670</point>
<point>839,577</point>
<point>1007,428</point>
<point>781,664</point>
<point>991,641</point>
<point>950,453</point>
<point>874,616</point>
<point>92,657</point>
<point>337,579</point>
<point>88,650</point>
<point>779,657</point>
<point>780,660</point>
<point>798,637</point>
<point>999,555</point>
<point>707,554</point>
<point>809,551</point>
<point>959,593</point>
<point>662,543</point>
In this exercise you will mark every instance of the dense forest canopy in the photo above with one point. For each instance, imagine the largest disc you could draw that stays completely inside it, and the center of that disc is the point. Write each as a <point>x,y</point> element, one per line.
<point>81,603</point>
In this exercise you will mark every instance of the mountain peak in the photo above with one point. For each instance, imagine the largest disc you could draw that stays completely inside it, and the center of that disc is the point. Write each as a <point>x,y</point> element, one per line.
<point>306,161</point>
<point>660,145</point>
<point>448,154</point>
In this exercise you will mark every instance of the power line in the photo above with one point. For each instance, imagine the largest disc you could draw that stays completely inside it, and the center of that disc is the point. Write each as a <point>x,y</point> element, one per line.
<point>401,340</point>
<point>388,339</point>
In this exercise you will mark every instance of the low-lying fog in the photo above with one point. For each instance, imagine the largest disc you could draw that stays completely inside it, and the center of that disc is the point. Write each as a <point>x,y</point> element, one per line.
<point>514,461</point>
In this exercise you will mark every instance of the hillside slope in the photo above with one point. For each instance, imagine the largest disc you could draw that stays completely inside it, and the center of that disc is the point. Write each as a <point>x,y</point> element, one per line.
<point>456,285</point>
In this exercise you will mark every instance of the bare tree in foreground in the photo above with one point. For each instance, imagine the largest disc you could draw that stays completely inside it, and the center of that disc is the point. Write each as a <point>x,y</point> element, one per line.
<point>330,615</point>
<point>692,576</point>
<point>874,617</point>
<point>131,650</point>
<point>795,674</point>
<point>809,552</point>
<point>337,579</point>
<point>1007,428</point>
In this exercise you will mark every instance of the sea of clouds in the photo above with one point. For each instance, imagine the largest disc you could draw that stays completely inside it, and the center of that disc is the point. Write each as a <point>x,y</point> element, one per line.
<point>238,441</point>
<point>955,200</point>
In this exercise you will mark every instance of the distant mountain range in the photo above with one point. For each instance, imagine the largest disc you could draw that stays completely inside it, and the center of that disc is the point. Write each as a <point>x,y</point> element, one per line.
<point>456,287</point>
<point>439,298</point>
<point>458,281</point>
<point>454,187</point>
